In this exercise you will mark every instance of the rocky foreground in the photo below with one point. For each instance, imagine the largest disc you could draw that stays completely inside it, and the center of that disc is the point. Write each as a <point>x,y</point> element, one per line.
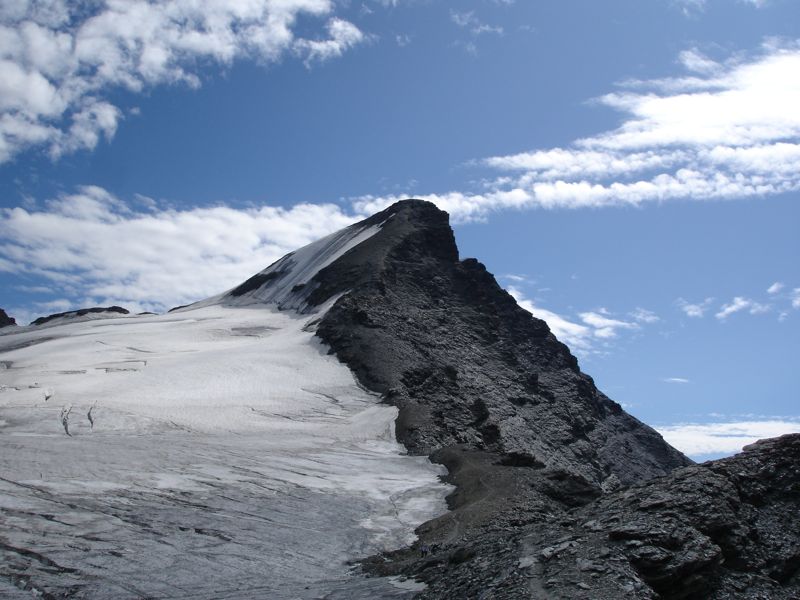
<point>721,530</point>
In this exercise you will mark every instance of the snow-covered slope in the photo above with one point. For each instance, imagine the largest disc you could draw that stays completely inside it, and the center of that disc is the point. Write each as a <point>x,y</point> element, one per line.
<point>286,283</point>
<point>212,452</point>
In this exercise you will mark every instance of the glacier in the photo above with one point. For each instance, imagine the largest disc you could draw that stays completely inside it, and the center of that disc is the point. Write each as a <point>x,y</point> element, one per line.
<point>212,452</point>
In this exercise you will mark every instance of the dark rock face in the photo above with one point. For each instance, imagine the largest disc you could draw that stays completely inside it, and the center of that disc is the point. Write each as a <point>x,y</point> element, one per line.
<point>80,313</point>
<point>725,529</point>
<point>174,308</point>
<point>5,320</point>
<point>465,364</point>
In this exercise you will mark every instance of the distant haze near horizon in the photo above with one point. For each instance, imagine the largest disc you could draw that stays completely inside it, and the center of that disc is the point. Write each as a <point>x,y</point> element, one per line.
<point>629,171</point>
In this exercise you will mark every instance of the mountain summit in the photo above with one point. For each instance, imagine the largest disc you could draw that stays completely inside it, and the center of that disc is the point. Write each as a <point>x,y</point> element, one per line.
<point>441,340</point>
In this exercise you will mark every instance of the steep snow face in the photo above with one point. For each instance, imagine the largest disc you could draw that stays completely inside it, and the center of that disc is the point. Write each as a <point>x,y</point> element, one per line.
<point>285,283</point>
<point>212,452</point>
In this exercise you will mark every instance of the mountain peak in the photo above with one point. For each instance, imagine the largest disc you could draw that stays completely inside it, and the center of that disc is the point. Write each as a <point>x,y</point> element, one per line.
<point>441,340</point>
<point>310,276</point>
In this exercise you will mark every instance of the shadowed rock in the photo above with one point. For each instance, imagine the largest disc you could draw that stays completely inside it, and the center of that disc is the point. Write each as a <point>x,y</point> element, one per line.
<point>71,314</point>
<point>5,320</point>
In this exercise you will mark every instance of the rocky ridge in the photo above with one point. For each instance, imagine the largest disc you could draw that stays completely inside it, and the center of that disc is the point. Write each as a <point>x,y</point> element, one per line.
<point>83,312</point>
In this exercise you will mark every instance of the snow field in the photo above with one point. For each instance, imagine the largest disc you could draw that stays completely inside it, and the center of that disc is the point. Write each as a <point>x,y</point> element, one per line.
<point>232,420</point>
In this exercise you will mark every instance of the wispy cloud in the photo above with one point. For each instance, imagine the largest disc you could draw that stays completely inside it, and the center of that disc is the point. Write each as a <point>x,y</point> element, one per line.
<point>694,310</point>
<point>603,326</point>
<point>468,20</point>
<point>723,130</point>
<point>796,298</point>
<point>98,250</point>
<point>775,288</point>
<point>342,35</point>
<point>694,8</point>
<point>516,278</point>
<point>703,439</point>
<point>642,315</point>
<point>679,380</point>
<point>739,304</point>
<point>578,337</point>
<point>690,7</point>
<point>582,334</point>
<point>61,62</point>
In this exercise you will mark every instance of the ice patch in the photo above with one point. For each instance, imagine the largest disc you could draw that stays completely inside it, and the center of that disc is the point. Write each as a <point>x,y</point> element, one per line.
<point>285,283</point>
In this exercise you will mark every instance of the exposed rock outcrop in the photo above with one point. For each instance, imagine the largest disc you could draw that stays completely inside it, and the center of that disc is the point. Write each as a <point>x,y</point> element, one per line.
<point>5,320</point>
<point>73,314</point>
<point>728,529</point>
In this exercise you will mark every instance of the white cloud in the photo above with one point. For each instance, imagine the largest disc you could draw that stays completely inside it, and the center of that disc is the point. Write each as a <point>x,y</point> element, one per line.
<point>343,35</point>
<point>696,61</point>
<point>576,336</point>
<point>739,304</point>
<point>695,311</point>
<point>96,250</point>
<point>61,62</point>
<point>595,327</point>
<point>693,8</point>
<point>516,278</point>
<point>604,326</point>
<point>690,7</point>
<point>700,439</point>
<point>775,288</point>
<point>642,315</point>
<point>796,298</point>
<point>679,380</point>
<point>468,20</point>
<point>725,130</point>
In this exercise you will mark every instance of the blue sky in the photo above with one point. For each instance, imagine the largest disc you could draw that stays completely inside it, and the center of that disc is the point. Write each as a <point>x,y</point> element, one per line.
<point>629,170</point>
